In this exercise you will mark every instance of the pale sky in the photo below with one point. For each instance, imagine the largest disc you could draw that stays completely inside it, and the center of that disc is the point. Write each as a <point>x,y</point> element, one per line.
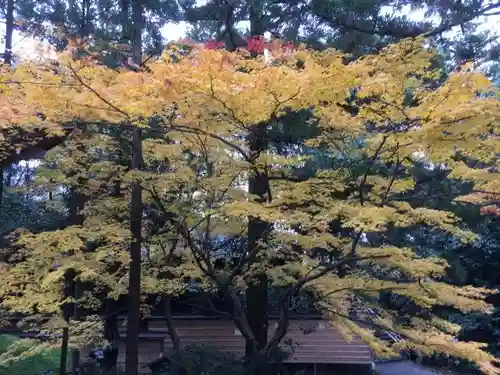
<point>27,47</point>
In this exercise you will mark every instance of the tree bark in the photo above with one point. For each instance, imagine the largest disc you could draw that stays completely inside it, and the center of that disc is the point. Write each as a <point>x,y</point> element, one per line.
<point>84,20</point>
<point>174,368</point>
<point>134,291</point>
<point>75,353</point>
<point>2,177</point>
<point>64,351</point>
<point>258,230</point>
<point>9,31</point>
<point>7,59</point>
<point>125,21</point>
<point>77,203</point>
<point>169,322</point>
<point>112,335</point>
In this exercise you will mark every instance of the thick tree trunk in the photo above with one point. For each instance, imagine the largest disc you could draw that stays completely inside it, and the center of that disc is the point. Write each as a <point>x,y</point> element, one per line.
<point>125,20</point>
<point>85,17</point>
<point>75,362</point>
<point>134,292</point>
<point>134,289</point>
<point>257,27</point>
<point>258,230</point>
<point>9,31</point>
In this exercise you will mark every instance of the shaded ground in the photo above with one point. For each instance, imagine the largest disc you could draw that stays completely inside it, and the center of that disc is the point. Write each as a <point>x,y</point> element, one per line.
<point>407,368</point>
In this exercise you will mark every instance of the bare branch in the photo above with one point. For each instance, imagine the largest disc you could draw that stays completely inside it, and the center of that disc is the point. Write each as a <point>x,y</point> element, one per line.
<point>369,169</point>
<point>348,260</point>
<point>91,89</point>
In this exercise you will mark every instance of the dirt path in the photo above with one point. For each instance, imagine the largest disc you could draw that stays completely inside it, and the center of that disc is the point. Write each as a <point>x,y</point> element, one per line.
<point>406,368</point>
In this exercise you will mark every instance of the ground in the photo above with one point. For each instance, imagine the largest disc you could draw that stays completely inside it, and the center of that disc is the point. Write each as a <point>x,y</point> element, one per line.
<point>407,368</point>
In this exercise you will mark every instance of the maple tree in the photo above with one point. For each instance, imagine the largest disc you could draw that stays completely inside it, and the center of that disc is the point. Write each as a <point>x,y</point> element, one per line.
<point>204,118</point>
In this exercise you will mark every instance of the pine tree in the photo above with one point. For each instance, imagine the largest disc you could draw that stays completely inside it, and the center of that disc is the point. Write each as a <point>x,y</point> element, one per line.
<point>356,27</point>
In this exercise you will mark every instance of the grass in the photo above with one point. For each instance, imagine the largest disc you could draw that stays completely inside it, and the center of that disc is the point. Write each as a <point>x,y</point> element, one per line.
<point>27,356</point>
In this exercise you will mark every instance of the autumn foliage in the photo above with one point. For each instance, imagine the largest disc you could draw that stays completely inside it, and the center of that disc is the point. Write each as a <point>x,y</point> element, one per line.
<point>334,198</point>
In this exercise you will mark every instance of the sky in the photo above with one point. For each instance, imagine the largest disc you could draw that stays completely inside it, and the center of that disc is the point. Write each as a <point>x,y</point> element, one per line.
<point>27,47</point>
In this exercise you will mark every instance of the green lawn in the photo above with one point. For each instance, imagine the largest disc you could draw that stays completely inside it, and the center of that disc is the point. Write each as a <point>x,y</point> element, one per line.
<point>26,356</point>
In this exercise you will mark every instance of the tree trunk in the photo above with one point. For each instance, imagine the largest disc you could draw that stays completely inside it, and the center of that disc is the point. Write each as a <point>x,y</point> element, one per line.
<point>64,351</point>
<point>9,31</point>
<point>84,20</point>
<point>125,21</point>
<point>7,59</point>
<point>169,322</point>
<point>1,191</point>
<point>67,313</point>
<point>174,367</point>
<point>134,291</point>
<point>256,18</point>
<point>112,335</point>
<point>76,204</point>
<point>75,353</point>
<point>258,230</point>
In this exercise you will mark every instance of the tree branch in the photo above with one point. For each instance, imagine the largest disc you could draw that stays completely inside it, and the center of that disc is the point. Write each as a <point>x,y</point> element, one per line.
<point>369,169</point>
<point>390,31</point>
<point>283,320</point>
<point>91,89</point>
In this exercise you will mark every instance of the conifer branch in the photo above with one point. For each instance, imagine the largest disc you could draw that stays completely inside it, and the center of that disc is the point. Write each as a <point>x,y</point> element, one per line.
<point>390,31</point>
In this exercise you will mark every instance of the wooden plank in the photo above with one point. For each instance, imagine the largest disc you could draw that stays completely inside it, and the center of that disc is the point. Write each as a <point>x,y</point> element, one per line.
<point>312,341</point>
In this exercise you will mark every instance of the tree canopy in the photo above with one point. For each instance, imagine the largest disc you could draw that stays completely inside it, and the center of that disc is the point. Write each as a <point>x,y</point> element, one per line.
<point>231,195</point>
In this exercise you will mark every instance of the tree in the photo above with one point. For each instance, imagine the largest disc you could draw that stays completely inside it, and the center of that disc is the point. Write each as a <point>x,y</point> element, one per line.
<point>373,117</point>
<point>61,281</point>
<point>360,187</point>
<point>353,27</point>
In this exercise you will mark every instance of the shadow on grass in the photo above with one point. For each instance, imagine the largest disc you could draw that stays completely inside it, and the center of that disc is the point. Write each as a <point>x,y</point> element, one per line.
<point>27,356</point>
